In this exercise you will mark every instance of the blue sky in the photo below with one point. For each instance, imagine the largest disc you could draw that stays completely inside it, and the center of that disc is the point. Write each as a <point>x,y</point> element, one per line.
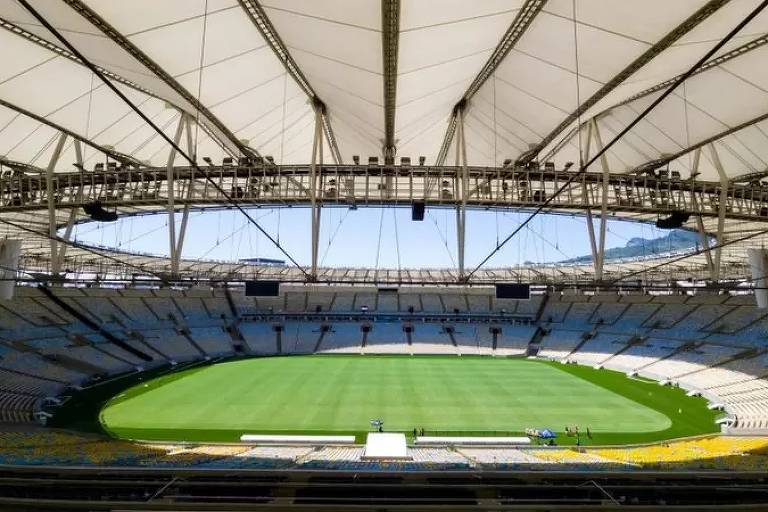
<point>366,236</point>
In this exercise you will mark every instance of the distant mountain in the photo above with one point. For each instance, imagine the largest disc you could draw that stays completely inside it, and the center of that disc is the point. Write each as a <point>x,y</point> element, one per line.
<point>676,240</point>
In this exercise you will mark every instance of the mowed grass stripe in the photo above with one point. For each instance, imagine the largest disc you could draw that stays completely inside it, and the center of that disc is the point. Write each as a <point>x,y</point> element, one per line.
<point>343,393</point>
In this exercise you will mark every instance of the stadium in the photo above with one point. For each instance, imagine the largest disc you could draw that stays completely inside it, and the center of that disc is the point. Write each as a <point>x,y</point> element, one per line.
<point>391,255</point>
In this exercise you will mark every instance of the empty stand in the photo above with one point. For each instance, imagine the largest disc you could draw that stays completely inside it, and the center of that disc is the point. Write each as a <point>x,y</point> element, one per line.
<point>709,343</point>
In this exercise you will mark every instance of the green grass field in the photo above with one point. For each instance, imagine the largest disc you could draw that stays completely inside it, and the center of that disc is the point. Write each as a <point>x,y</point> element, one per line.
<point>341,394</point>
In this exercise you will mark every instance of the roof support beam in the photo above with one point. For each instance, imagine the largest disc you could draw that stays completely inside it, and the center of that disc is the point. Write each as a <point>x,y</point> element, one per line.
<point>317,159</point>
<point>668,40</point>
<point>228,138</point>
<point>713,63</point>
<point>390,40</point>
<point>63,52</point>
<point>171,187</point>
<point>721,209</point>
<point>157,129</point>
<point>261,21</point>
<point>20,166</point>
<point>114,155</point>
<point>661,162</point>
<point>520,24</point>
<point>717,61</point>
<point>51,194</point>
<point>746,178</point>
<point>463,189</point>
<point>582,169</point>
<point>597,245</point>
<point>58,261</point>
<point>703,237</point>
<point>190,192</point>
<point>603,203</point>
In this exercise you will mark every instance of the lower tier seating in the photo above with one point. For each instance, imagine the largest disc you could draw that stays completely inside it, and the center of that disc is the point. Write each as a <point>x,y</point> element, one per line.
<point>711,344</point>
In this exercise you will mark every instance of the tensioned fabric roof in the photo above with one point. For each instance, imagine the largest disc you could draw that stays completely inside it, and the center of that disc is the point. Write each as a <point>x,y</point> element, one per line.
<point>538,79</point>
<point>211,52</point>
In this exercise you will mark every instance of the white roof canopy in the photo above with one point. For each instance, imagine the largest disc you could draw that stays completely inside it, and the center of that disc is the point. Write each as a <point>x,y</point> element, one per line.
<point>209,60</point>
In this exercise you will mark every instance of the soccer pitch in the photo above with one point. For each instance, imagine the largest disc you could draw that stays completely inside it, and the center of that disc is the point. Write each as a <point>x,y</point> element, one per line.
<point>341,394</point>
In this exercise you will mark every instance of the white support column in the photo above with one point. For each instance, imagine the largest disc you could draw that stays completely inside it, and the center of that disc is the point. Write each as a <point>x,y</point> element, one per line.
<point>183,228</point>
<point>10,251</point>
<point>585,192</point>
<point>604,204</point>
<point>592,241</point>
<point>462,188</point>
<point>703,237</point>
<point>180,240</point>
<point>588,144</point>
<point>722,205</point>
<point>758,262</point>
<point>58,262</point>
<point>171,185</point>
<point>52,200</point>
<point>317,155</point>
<point>191,150</point>
<point>62,252</point>
<point>181,236</point>
<point>78,152</point>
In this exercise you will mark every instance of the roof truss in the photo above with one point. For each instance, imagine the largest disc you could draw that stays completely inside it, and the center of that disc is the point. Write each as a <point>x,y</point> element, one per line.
<point>115,155</point>
<point>20,166</point>
<point>665,42</point>
<point>390,38</point>
<point>655,164</point>
<point>63,52</point>
<point>713,63</point>
<point>259,17</point>
<point>232,142</point>
<point>517,28</point>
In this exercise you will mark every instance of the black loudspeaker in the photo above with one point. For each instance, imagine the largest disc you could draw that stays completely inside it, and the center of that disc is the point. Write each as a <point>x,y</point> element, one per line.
<point>674,221</point>
<point>98,213</point>
<point>417,210</point>
<point>513,291</point>
<point>262,288</point>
